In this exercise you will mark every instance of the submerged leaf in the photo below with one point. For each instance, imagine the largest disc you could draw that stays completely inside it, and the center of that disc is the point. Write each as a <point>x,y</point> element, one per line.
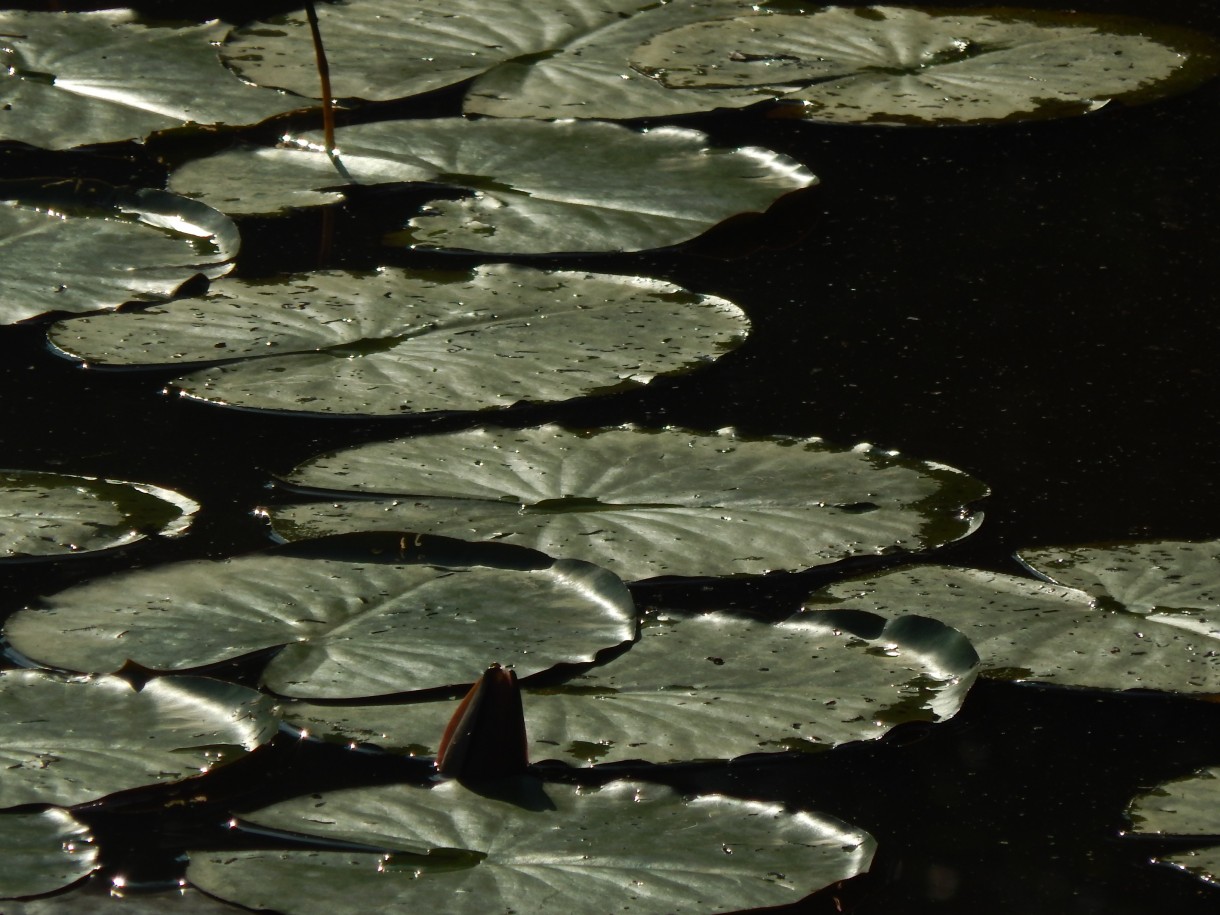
<point>1033,630</point>
<point>65,741</point>
<point>80,246</point>
<point>1184,807</point>
<point>714,687</point>
<point>626,847</point>
<point>43,852</point>
<point>393,341</point>
<point>71,79</point>
<point>353,627</point>
<point>642,503</point>
<point>894,65</point>
<point>54,514</point>
<point>534,187</point>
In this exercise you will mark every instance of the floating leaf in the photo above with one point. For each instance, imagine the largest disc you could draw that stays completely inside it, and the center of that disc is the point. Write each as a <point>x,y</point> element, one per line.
<point>385,49</point>
<point>42,852</point>
<point>70,740</point>
<point>70,79</point>
<point>1184,807</point>
<point>535,187</point>
<point>894,65</point>
<point>377,624</point>
<point>81,246</point>
<point>389,342</point>
<point>625,847</point>
<point>98,899</point>
<point>1031,630</point>
<point>713,687</point>
<point>55,514</point>
<point>642,503</point>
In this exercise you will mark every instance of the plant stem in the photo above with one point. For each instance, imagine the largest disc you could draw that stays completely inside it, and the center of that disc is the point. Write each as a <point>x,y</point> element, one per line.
<point>328,105</point>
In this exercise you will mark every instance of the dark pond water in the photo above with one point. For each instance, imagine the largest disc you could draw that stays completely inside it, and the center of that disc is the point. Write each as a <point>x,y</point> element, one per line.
<point>1031,304</point>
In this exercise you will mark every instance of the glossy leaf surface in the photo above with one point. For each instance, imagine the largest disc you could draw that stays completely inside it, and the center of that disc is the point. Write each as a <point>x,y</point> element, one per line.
<point>393,342</point>
<point>642,503</point>
<point>42,852</point>
<point>65,741</point>
<point>626,847</point>
<point>534,187</point>
<point>1185,807</point>
<point>54,514</point>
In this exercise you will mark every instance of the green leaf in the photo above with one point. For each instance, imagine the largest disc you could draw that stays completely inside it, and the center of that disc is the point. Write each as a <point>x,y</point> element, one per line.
<point>393,341</point>
<point>535,187</point>
<point>1188,807</point>
<point>1034,630</point>
<point>642,503</point>
<point>81,246</point>
<point>70,740</point>
<point>626,847</point>
<point>43,852</point>
<point>385,49</point>
<point>894,65</point>
<point>712,687</point>
<point>71,79</point>
<point>353,626</point>
<point>54,514</point>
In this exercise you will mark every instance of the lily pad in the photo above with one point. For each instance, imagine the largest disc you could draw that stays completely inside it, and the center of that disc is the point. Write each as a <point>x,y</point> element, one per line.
<point>534,187</point>
<point>713,687</point>
<point>642,503</point>
<point>43,852</point>
<point>366,626</point>
<point>625,847</point>
<point>70,79</point>
<point>1035,630</point>
<point>385,49</point>
<point>897,65</point>
<point>69,740</point>
<point>393,341</point>
<point>82,246</point>
<point>55,514</point>
<point>1187,807</point>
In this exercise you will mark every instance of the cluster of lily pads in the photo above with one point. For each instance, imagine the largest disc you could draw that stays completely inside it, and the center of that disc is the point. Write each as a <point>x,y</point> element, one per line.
<point>406,566</point>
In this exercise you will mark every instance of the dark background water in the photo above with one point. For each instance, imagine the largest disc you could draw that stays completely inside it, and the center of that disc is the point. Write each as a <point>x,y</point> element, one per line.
<point>1029,303</point>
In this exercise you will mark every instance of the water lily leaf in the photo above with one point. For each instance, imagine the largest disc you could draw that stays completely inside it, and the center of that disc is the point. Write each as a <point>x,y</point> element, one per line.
<point>1032,630</point>
<point>535,187</point>
<point>713,687</point>
<point>70,79</point>
<point>99,899</point>
<point>384,49</point>
<point>79,246</point>
<point>55,514</point>
<point>895,65</point>
<point>393,341</point>
<point>642,502</point>
<point>353,626</point>
<point>69,740</point>
<point>625,847</point>
<point>1184,807</point>
<point>43,852</point>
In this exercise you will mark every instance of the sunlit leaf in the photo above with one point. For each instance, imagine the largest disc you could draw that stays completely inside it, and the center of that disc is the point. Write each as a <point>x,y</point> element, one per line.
<point>55,514</point>
<point>1035,630</point>
<point>70,79</point>
<point>626,847</point>
<point>42,852</point>
<point>895,65</point>
<point>354,626</point>
<point>386,49</point>
<point>534,187</point>
<point>642,503</point>
<point>65,741</point>
<point>392,342</point>
<point>78,246</point>
<point>712,687</point>
<point>99,899</point>
<point>1188,807</point>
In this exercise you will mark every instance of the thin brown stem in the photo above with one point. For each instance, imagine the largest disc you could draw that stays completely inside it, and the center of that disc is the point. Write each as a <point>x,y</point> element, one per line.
<point>328,105</point>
